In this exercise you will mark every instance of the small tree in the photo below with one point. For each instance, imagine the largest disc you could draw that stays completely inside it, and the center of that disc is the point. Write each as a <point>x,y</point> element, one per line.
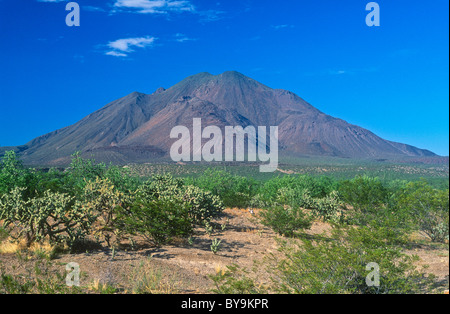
<point>82,171</point>
<point>429,209</point>
<point>12,172</point>
<point>364,193</point>
<point>368,197</point>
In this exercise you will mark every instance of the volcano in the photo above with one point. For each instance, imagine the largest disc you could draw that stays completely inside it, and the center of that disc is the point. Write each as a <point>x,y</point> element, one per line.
<point>136,128</point>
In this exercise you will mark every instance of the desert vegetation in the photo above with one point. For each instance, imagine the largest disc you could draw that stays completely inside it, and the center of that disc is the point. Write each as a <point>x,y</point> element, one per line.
<point>92,206</point>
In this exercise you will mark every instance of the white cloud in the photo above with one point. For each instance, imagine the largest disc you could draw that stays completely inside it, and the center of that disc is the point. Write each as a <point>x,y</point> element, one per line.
<point>116,54</point>
<point>182,38</point>
<point>154,6</point>
<point>151,7</point>
<point>121,47</point>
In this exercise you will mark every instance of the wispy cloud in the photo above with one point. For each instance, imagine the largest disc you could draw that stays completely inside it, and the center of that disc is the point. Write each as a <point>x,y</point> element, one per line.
<point>339,72</point>
<point>116,54</point>
<point>122,47</point>
<point>91,8</point>
<point>352,71</point>
<point>165,7</point>
<point>160,7</point>
<point>181,38</point>
<point>342,71</point>
<point>154,6</point>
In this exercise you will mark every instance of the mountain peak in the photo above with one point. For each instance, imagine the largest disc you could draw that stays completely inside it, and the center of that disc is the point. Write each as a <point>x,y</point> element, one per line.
<point>232,74</point>
<point>159,91</point>
<point>205,77</point>
<point>137,128</point>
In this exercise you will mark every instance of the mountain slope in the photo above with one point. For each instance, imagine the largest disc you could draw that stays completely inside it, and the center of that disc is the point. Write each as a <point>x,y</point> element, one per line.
<point>136,128</point>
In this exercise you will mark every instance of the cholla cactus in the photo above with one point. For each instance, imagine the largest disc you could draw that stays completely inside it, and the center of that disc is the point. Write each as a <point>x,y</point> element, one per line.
<point>329,208</point>
<point>202,205</point>
<point>102,199</point>
<point>53,216</point>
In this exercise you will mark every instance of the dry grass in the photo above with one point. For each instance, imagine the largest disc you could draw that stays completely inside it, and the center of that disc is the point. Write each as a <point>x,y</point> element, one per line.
<point>41,249</point>
<point>147,279</point>
<point>8,246</point>
<point>44,247</point>
<point>220,270</point>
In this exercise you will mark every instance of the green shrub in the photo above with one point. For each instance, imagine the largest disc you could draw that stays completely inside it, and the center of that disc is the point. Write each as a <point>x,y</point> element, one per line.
<point>364,193</point>
<point>80,172</point>
<point>258,201</point>
<point>339,265</point>
<point>270,189</point>
<point>159,221</point>
<point>13,174</point>
<point>286,221</point>
<point>295,190</point>
<point>317,187</point>
<point>428,208</point>
<point>328,208</point>
<point>121,178</point>
<point>368,198</point>
<point>53,180</point>
<point>233,190</point>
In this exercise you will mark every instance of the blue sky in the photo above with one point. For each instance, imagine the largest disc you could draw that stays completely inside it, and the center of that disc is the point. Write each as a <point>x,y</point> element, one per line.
<point>392,79</point>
